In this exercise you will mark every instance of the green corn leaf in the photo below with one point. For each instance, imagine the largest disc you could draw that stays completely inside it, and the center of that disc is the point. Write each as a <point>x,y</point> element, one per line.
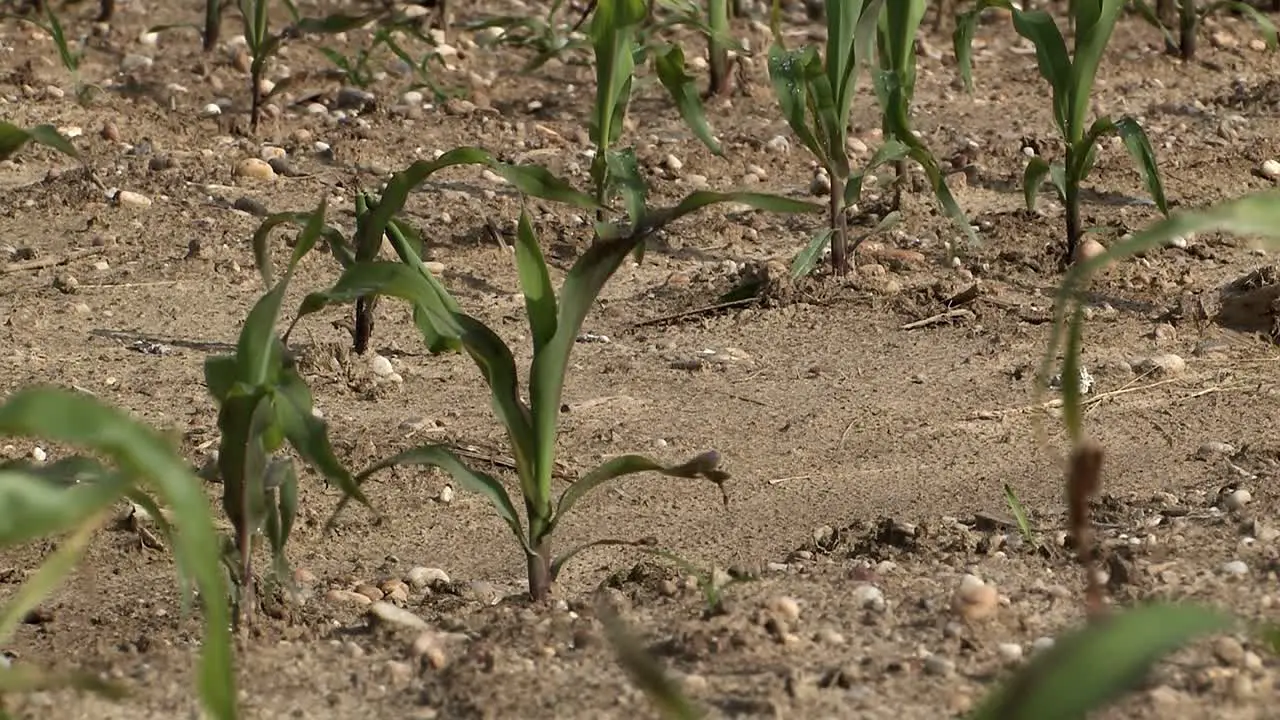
<point>1058,176</point>
<point>404,247</point>
<point>262,250</point>
<point>235,420</point>
<point>1257,214</point>
<point>938,184</point>
<point>684,92</point>
<point>563,559</point>
<point>656,219</point>
<point>613,26</point>
<point>891,151</point>
<point>386,278</point>
<point>535,280</point>
<point>704,467</point>
<point>36,505</point>
<point>841,52</point>
<point>1032,178</point>
<point>259,352</point>
<point>789,72</point>
<point>1094,22</point>
<point>220,375</point>
<point>645,671</point>
<point>811,255</point>
<point>309,435</point>
<point>1056,66</point>
<point>625,177</point>
<point>1139,147</point>
<point>12,138</point>
<point>140,453</point>
<point>441,456</point>
<point>1265,26</point>
<point>1089,668</point>
<point>50,574</point>
<point>530,180</point>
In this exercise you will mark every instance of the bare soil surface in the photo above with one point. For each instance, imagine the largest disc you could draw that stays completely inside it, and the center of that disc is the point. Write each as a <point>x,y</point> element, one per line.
<point>868,459</point>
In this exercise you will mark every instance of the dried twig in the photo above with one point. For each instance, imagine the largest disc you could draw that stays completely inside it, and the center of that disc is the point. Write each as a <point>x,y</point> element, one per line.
<point>1057,402</point>
<point>696,311</point>
<point>940,318</point>
<point>51,261</point>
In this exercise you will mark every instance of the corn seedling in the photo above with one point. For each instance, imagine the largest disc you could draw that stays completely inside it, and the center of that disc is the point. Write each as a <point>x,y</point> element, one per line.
<point>532,427</point>
<point>14,138</point>
<point>815,91</point>
<point>1190,17</point>
<point>263,44</point>
<point>895,85</point>
<point>264,401</point>
<point>74,498</point>
<point>717,50</point>
<point>1020,517</point>
<point>67,55</point>
<point>1071,78</point>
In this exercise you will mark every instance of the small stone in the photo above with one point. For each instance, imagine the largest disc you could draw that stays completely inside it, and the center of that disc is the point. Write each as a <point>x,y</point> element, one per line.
<point>354,98</point>
<point>1162,365</point>
<point>779,144</point>
<point>130,199</point>
<point>386,613</point>
<point>370,591</point>
<point>67,284</point>
<point>421,577</point>
<point>250,205</point>
<point>347,597</point>
<point>271,152</point>
<point>1213,449</point>
<point>210,110</point>
<point>1089,249</point>
<point>673,163</point>
<point>827,636</point>
<point>304,577</point>
<point>110,132</point>
<point>1238,499</point>
<point>412,97</point>
<point>149,39</point>
<point>1236,568</point>
<point>459,106</point>
<point>381,366</point>
<point>254,169</point>
<point>975,600</point>
<point>869,597</point>
<point>785,606</point>
<point>1229,651</point>
<point>446,495</point>
<point>820,185</point>
<point>39,455</point>
<point>939,666</point>
<point>1252,661</point>
<point>1010,653</point>
<point>1041,644</point>
<point>134,63</point>
<point>428,646</point>
<point>1270,169</point>
<point>401,672</point>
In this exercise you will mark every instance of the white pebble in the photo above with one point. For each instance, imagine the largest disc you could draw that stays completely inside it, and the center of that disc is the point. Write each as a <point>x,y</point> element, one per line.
<point>38,454</point>
<point>271,152</point>
<point>1237,568</point>
<point>150,39</point>
<point>1238,499</point>
<point>128,198</point>
<point>1041,644</point>
<point>674,163</point>
<point>869,597</point>
<point>412,97</point>
<point>1271,169</point>
<point>446,494</point>
<point>1010,653</point>
<point>420,577</point>
<point>381,366</point>
<point>779,144</point>
<point>210,110</point>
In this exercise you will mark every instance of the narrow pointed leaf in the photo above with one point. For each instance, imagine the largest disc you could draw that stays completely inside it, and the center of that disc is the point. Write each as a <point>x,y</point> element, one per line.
<point>441,456</point>
<point>808,258</point>
<point>563,559</point>
<point>1032,177</point>
<point>1090,667</point>
<point>788,73</point>
<point>625,177</point>
<point>535,280</point>
<point>684,92</point>
<point>1139,147</point>
<point>645,671</point>
<point>309,435</point>
<point>12,138</point>
<point>705,467</point>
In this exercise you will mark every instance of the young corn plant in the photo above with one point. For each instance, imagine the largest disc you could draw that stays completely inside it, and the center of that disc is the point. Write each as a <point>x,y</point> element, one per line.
<point>70,58</point>
<point>74,498</point>
<point>1071,78</point>
<point>533,426</point>
<point>14,138</point>
<point>263,401</point>
<point>1190,17</point>
<point>815,91</point>
<point>895,85</point>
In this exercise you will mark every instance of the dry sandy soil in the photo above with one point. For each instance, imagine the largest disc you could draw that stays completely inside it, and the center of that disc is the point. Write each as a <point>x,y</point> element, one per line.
<point>868,460</point>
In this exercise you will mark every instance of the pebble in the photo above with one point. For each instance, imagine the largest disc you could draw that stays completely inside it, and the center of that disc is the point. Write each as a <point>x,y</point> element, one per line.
<point>1213,448</point>
<point>128,198</point>
<point>1236,568</point>
<point>820,185</point>
<point>389,614</point>
<point>271,152</point>
<point>132,62</point>
<point>1010,653</point>
<point>347,597</point>
<point>1162,365</point>
<point>149,39</point>
<point>210,110</point>
<point>369,591</point>
<point>1089,249</point>
<point>869,597</point>
<point>785,606</point>
<point>254,169</point>
<point>779,144</point>
<point>939,666</point>
<point>38,454</point>
<point>110,132</point>
<point>673,163</point>
<point>446,495</point>
<point>974,599</point>
<point>427,645</point>
<point>1041,644</point>
<point>381,366</point>
<point>1229,651</point>
<point>66,284</point>
<point>354,98</point>
<point>1271,169</point>
<point>421,577</point>
<point>1238,499</point>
